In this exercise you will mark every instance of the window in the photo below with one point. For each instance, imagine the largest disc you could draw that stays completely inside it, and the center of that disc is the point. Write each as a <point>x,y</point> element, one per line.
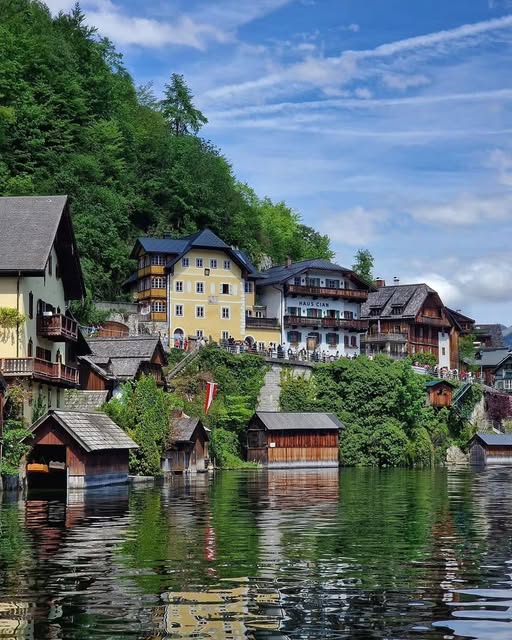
<point>50,265</point>
<point>294,337</point>
<point>443,351</point>
<point>332,284</point>
<point>30,348</point>
<point>224,289</point>
<point>43,354</point>
<point>332,339</point>
<point>31,305</point>
<point>199,312</point>
<point>261,346</point>
<point>158,283</point>
<point>158,306</point>
<point>249,313</point>
<point>397,311</point>
<point>184,262</point>
<point>348,315</point>
<point>213,263</point>
<point>313,282</point>
<point>375,311</point>
<point>199,287</point>
<point>227,264</point>
<point>259,314</point>
<point>199,263</point>
<point>297,281</point>
<point>345,341</point>
<point>225,313</point>
<point>157,260</point>
<point>248,287</point>
<point>199,333</point>
<point>179,286</point>
<point>293,311</point>
<point>225,335</point>
<point>178,310</point>
<point>207,272</point>
<point>353,341</point>
<point>141,262</point>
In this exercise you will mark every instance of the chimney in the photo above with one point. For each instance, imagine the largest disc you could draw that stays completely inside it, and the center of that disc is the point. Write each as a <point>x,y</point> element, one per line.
<point>379,282</point>
<point>288,261</point>
<point>177,413</point>
<point>396,280</point>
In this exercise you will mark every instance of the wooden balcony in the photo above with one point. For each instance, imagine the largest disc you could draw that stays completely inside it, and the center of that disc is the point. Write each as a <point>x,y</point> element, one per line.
<point>57,327</point>
<point>151,270</point>
<point>154,316</point>
<point>324,292</point>
<point>53,372</point>
<point>327,323</point>
<point>434,322</point>
<point>261,323</point>
<point>385,337</point>
<point>147,294</point>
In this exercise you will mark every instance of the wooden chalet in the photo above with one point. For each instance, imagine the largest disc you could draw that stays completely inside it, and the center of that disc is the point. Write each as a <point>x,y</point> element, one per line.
<point>114,361</point>
<point>408,319</point>
<point>488,335</point>
<point>293,439</point>
<point>440,393</point>
<point>486,362</point>
<point>188,451</point>
<point>76,450</point>
<point>503,374</point>
<point>490,448</point>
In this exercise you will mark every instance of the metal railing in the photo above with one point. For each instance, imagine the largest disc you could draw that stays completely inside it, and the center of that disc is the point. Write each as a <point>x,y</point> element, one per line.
<point>326,322</point>
<point>301,290</point>
<point>261,323</point>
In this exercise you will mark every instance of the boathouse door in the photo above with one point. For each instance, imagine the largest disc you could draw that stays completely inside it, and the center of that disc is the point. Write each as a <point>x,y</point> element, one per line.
<point>46,467</point>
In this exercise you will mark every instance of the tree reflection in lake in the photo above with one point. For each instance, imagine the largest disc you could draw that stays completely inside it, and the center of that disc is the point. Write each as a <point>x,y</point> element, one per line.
<point>264,555</point>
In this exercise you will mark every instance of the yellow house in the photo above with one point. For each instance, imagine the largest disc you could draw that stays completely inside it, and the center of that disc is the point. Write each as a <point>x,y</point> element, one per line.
<point>39,272</point>
<point>197,287</point>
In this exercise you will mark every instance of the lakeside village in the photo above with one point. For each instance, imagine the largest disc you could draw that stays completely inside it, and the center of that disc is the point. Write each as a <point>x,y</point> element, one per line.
<point>216,362</point>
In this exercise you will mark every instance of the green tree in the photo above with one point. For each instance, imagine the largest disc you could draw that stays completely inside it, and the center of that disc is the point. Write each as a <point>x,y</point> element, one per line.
<point>467,348</point>
<point>178,108</point>
<point>363,264</point>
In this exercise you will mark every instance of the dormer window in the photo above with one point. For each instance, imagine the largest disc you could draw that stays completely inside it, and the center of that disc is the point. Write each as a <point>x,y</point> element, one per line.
<point>375,311</point>
<point>397,310</point>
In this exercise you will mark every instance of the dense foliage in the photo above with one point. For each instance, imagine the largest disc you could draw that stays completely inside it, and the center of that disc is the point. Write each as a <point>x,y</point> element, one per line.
<point>144,411</point>
<point>72,121</point>
<point>14,432</point>
<point>383,406</point>
<point>240,378</point>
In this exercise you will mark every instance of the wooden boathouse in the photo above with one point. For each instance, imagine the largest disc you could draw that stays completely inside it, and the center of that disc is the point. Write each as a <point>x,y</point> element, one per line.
<point>490,448</point>
<point>188,451</point>
<point>440,393</point>
<point>75,450</point>
<point>282,440</point>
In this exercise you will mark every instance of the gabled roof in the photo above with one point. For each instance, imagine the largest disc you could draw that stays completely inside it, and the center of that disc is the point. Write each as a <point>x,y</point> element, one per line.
<point>435,383</point>
<point>178,247</point>
<point>494,439</point>
<point>30,227</point>
<point>276,421</point>
<point>282,273</point>
<point>183,429</point>
<point>488,357</point>
<point>409,297</point>
<point>504,359</point>
<point>121,358</point>
<point>80,400</point>
<point>93,431</point>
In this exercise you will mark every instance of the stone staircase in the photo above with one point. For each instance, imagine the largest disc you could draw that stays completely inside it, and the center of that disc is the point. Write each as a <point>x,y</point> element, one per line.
<point>183,364</point>
<point>268,400</point>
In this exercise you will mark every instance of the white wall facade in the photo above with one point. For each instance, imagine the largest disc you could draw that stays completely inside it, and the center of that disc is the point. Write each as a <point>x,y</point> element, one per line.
<point>444,349</point>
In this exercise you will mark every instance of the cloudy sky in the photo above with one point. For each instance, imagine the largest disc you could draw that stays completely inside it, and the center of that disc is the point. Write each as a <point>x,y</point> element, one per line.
<point>386,123</point>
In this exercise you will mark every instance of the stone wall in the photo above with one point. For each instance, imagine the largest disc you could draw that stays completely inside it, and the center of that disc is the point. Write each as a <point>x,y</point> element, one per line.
<point>268,399</point>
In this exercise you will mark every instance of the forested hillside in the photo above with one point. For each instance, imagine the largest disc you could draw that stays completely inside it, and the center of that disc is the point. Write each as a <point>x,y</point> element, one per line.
<point>72,121</point>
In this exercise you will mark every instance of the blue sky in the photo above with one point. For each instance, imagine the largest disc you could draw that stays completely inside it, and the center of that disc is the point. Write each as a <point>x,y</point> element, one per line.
<point>386,123</point>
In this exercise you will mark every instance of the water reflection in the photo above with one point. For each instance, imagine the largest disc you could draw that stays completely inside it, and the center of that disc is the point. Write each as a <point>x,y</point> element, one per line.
<point>264,555</point>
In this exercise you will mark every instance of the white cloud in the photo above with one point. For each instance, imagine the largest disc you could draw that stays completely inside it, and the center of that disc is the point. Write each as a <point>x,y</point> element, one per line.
<point>357,226</point>
<point>328,70</point>
<point>465,210</point>
<point>363,93</point>
<point>502,162</point>
<point>403,82</point>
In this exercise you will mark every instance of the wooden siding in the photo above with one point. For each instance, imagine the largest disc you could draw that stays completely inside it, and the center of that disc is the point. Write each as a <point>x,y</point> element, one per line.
<point>481,454</point>
<point>90,380</point>
<point>440,395</point>
<point>188,456</point>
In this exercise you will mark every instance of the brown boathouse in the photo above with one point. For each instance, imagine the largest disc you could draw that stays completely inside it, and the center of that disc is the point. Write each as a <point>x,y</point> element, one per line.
<point>293,439</point>
<point>77,449</point>
<point>490,448</point>
<point>188,451</point>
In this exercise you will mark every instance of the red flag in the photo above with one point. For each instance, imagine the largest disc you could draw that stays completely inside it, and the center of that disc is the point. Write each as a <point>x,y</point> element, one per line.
<point>211,391</point>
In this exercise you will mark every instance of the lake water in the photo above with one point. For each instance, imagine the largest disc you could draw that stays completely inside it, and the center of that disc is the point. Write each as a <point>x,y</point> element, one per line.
<point>265,555</point>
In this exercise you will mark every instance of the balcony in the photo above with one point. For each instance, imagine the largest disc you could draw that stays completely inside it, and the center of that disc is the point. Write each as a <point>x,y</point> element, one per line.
<point>327,323</point>
<point>261,323</point>
<point>53,372</point>
<point>386,337</point>
<point>324,292</point>
<point>57,328</point>
<point>151,293</point>
<point>434,322</point>
<point>151,270</point>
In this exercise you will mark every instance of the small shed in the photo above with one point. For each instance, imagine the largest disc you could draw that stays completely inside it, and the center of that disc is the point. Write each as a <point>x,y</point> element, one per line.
<point>490,448</point>
<point>440,393</point>
<point>189,448</point>
<point>77,449</point>
<point>293,439</point>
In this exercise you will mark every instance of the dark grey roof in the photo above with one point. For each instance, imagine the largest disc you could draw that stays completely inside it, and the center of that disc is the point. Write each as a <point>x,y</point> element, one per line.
<point>30,226</point>
<point>434,383</point>
<point>410,297</point>
<point>495,439</point>
<point>125,368</point>
<point>163,245</point>
<point>142,347</point>
<point>275,421</point>
<point>93,431</point>
<point>493,330</point>
<point>488,357</point>
<point>183,429</point>
<point>80,400</point>
<point>282,273</point>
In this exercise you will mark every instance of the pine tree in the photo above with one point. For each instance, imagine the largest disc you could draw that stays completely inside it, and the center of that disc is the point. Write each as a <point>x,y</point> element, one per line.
<point>178,109</point>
